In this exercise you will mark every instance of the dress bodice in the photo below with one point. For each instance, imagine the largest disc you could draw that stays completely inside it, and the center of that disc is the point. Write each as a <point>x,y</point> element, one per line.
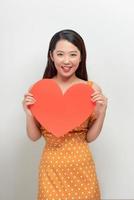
<point>78,133</point>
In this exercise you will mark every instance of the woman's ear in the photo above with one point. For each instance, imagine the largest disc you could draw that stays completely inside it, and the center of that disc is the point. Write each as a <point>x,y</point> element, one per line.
<point>51,56</point>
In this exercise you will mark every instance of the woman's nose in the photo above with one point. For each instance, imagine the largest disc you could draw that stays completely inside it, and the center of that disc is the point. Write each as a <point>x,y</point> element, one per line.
<point>66,60</point>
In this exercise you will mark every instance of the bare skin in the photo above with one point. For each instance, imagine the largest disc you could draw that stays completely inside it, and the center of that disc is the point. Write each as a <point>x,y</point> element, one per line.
<point>66,58</point>
<point>33,130</point>
<point>100,112</point>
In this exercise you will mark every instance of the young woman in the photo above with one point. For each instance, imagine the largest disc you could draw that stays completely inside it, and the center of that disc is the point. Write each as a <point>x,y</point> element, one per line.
<point>67,170</point>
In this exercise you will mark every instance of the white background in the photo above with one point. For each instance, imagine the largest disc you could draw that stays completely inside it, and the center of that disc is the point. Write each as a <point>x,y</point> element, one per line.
<point>107,28</point>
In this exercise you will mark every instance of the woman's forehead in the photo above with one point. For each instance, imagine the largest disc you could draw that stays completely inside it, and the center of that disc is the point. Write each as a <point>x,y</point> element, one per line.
<point>65,45</point>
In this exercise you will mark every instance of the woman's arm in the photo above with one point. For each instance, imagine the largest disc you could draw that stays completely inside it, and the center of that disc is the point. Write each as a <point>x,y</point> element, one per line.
<point>99,112</point>
<point>95,128</point>
<point>32,126</point>
<point>33,130</point>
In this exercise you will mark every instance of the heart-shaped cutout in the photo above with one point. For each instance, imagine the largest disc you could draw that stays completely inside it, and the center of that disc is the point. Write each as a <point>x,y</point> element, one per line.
<point>58,112</point>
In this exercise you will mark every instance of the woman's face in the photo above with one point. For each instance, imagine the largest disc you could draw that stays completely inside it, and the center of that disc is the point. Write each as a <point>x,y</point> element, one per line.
<point>66,58</point>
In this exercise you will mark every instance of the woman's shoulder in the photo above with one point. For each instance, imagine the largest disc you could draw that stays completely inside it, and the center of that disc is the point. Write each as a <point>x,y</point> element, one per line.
<point>94,85</point>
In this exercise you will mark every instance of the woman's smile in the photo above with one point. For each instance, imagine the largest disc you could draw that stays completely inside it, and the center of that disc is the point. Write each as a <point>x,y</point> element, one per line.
<point>66,68</point>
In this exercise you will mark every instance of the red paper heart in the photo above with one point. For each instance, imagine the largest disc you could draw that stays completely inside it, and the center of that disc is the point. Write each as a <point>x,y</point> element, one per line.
<point>58,112</point>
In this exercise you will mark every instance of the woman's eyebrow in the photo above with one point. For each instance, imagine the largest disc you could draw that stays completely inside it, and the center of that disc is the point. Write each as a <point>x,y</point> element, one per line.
<point>74,51</point>
<point>59,51</point>
<point>69,51</point>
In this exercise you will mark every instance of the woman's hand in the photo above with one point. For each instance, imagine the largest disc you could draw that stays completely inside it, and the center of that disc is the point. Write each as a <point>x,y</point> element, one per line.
<point>100,100</point>
<point>28,100</point>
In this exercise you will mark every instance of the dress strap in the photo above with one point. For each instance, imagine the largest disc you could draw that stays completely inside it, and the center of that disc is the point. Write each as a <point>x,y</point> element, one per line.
<point>90,83</point>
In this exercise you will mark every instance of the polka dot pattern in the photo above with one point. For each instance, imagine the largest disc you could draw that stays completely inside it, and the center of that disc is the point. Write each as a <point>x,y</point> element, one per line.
<point>67,170</point>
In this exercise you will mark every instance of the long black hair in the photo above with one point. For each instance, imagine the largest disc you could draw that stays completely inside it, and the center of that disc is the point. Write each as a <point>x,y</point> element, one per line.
<point>76,40</point>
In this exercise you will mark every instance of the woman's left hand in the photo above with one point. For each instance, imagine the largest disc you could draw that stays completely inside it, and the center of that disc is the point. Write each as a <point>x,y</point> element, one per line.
<point>100,100</point>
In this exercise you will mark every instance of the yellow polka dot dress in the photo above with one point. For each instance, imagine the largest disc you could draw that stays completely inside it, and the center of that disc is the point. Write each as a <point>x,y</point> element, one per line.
<point>67,170</point>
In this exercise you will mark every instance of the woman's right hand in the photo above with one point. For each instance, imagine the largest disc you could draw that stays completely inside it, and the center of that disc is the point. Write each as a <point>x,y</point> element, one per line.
<point>28,100</point>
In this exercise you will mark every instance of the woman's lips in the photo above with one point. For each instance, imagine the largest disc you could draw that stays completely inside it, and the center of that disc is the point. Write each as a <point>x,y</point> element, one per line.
<point>66,68</point>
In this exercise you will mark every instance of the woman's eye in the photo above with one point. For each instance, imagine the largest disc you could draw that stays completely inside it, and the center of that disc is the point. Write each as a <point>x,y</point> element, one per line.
<point>73,54</point>
<point>59,54</point>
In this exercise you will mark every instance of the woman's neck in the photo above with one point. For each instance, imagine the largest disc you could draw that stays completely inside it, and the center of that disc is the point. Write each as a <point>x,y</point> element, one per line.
<point>65,80</point>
